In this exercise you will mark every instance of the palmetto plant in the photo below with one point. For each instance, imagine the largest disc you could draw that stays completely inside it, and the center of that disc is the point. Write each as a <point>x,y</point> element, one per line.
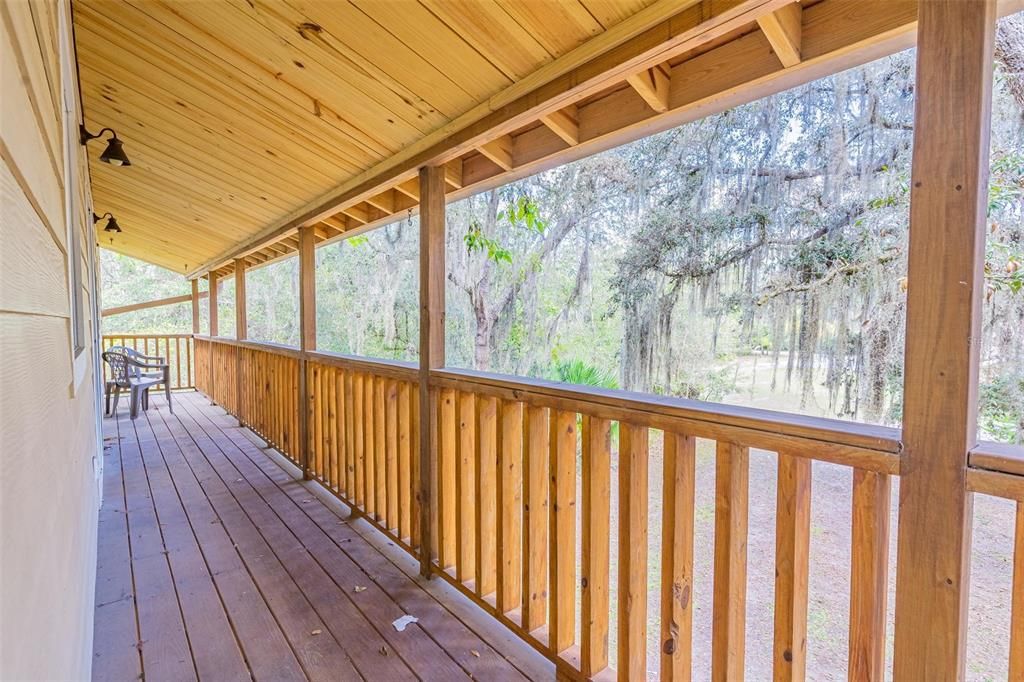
<point>580,373</point>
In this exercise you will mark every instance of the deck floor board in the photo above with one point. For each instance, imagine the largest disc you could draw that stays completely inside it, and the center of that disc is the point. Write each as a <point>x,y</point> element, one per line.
<point>216,563</point>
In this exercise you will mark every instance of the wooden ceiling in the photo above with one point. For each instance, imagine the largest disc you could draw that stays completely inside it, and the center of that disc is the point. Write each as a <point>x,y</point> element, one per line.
<point>237,113</point>
<point>248,119</point>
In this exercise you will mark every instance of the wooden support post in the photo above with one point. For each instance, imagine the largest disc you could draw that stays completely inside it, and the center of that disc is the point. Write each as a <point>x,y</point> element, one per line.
<point>948,199</point>
<point>432,276</point>
<point>195,306</point>
<point>241,328</point>
<point>241,324</point>
<point>307,336</point>
<point>214,327</point>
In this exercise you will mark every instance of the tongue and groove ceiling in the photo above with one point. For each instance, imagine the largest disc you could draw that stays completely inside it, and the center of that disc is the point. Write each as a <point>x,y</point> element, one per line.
<point>236,113</point>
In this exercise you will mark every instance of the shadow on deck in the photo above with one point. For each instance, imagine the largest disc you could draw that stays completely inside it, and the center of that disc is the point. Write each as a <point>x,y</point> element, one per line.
<point>216,563</point>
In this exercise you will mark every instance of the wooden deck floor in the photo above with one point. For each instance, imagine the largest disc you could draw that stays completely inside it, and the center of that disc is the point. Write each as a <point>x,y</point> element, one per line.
<point>216,564</point>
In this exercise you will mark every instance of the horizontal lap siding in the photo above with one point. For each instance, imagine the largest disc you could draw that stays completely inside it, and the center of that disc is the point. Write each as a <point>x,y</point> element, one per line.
<point>48,493</point>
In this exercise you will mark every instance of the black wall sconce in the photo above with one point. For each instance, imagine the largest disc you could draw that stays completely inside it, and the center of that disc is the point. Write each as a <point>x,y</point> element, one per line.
<point>111,225</point>
<point>114,153</point>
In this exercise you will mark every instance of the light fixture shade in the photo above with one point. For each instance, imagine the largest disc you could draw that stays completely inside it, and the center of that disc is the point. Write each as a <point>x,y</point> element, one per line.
<point>112,226</point>
<point>114,154</point>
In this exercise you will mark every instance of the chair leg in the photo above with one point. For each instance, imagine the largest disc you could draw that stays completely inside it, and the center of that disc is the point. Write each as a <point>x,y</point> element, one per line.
<point>145,400</point>
<point>167,392</point>
<point>136,398</point>
<point>117,396</point>
<point>106,397</point>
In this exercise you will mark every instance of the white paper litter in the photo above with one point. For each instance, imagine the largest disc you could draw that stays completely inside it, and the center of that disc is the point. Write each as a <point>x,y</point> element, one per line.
<point>400,623</point>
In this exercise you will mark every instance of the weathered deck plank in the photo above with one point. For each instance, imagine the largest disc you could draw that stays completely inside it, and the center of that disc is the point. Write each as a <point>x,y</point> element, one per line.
<point>216,563</point>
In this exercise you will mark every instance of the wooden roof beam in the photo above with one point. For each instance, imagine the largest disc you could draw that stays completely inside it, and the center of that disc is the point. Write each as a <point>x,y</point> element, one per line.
<point>357,212</point>
<point>653,85</point>
<point>150,304</point>
<point>784,30</point>
<point>453,173</point>
<point>564,123</point>
<point>499,151</point>
<point>410,188</point>
<point>385,201</point>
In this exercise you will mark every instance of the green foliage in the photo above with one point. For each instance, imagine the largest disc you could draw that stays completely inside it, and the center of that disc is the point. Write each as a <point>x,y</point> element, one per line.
<point>580,373</point>
<point>524,212</point>
<point>1006,181</point>
<point>1001,408</point>
<point>476,241</point>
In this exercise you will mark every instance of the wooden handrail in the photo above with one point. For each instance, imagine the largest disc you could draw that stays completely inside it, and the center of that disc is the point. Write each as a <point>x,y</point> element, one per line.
<point>864,446</point>
<point>1000,457</point>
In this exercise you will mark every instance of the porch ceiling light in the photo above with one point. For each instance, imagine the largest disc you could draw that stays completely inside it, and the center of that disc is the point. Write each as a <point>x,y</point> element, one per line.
<point>114,153</point>
<point>111,225</point>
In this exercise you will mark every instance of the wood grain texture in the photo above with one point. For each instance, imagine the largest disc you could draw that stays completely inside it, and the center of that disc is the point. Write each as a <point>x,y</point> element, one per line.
<point>948,200</point>
<point>486,494</point>
<point>732,474</point>
<point>869,575</point>
<point>510,507</point>
<point>792,545</point>
<point>632,607</point>
<point>596,530</point>
<point>677,557</point>
<point>535,519</point>
<point>1016,668</point>
<point>431,347</point>
<point>562,465</point>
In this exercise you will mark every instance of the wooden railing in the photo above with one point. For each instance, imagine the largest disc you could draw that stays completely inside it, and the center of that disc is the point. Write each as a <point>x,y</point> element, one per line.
<point>176,349</point>
<point>522,473</point>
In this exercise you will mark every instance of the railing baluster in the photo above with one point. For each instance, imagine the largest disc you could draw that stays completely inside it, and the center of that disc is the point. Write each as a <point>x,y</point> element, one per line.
<point>792,541</point>
<point>379,432</point>
<point>330,468</point>
<point>535,519</point>
<point>732,472</point>
<point>465,486</point>
<point>316,393</point>
<point>405,490</point>
<point>563,530</point>
<point>391,454</point>
<point>677,557</point>
<point>486,493</point>
<point>446,453</point>
<point>338,475</point>
<point>358,419</point>
<point>369,444</point>
<point>348,461</point>
<point>869,575</point>
<point>632,614</point>
<point>510,505</point>
<point>414,469</point>
<point>1017,608</point>
<point>596,437</point>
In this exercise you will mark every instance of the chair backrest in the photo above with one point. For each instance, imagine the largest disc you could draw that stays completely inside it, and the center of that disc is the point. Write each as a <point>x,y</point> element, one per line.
<point>120,368</point>
<point>135,355</point>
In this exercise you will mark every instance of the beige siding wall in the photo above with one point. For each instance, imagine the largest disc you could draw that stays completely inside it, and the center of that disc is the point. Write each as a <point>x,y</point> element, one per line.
<point>48,443</point>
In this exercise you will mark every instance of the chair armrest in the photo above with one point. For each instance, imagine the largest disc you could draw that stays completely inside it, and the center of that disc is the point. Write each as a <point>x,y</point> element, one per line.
<point>158,358</point>
<point>135,363</point>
